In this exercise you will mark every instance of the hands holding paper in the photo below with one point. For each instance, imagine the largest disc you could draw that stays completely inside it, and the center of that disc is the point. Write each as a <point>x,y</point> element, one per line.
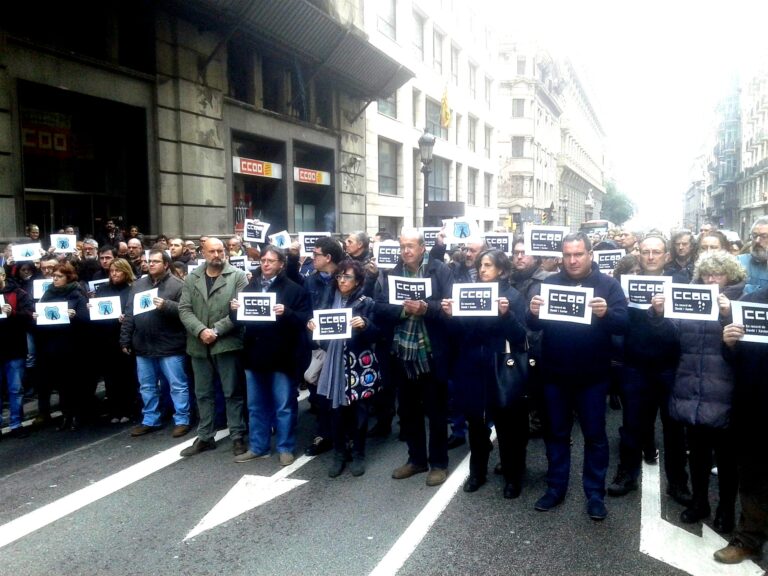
<point>415,307</point>
<point>732,334</point>
<point>536,303</point>
<point>724,304</point>
<point>599,306</point>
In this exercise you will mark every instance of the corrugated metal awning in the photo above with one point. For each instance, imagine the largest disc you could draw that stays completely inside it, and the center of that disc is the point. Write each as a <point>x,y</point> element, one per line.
<point>339,51</point>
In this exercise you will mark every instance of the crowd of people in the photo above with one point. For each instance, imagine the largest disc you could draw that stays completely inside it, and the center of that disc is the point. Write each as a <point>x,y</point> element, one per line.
<point>186,353</point>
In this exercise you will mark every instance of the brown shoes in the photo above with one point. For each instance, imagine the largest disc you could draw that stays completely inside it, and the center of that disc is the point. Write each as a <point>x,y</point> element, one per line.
<point>407,470</point>
<point>736,552</point>
<point>180,430</point>
<point>143,429</point>
<point>437,476</point>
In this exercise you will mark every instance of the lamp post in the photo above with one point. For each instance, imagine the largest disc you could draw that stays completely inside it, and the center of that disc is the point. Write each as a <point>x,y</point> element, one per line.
<point>426,146</point>
<point>564,205</point>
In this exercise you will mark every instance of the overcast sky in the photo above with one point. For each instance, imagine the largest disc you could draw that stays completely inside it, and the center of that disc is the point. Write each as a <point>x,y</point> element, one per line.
<point>655,71</point>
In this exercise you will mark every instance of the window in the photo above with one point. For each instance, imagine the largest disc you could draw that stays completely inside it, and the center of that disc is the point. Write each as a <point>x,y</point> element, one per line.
<point>387,167</point>
<point>518,146</point>
<point>437,52</point>
<point>521,65</point>
<point>487,191</point>
<point>418,36</point>
<point>459,187</point>
<point>433,120</point>
<point>391,224</point>
<point>438,180</point>
<point>386,22</point>
<point>488,86</point>
<point>487,141</point>
<point>473,81</point>
<point>472,187</point>
<point>455,65</point>
<point>518,108</point>
<point>458,128</point>
<point>388,106</point>
<point>472,134</point>
<point>415,108</point>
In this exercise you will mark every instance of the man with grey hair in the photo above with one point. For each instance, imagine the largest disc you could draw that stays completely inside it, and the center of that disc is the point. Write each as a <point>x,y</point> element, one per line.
<point>755,262</point>
<point>357,247</point>
<point>629,240</point>
<point>419,358</point>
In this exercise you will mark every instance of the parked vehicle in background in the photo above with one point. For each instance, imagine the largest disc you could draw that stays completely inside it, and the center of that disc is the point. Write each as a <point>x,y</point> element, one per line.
<point>596,228</point>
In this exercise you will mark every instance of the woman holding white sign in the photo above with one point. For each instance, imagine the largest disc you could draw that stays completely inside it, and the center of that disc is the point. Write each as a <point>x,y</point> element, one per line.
<point>480,339</point>
<point>350,375</point>
<point>56,344</point>
<point>702,394</point>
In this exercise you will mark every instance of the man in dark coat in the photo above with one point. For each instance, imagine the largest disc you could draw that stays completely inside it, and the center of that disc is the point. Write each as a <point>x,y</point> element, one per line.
<point>576,362</point>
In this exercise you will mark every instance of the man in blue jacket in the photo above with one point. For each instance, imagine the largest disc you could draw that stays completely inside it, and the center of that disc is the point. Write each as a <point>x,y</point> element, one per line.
<point>576,360</point>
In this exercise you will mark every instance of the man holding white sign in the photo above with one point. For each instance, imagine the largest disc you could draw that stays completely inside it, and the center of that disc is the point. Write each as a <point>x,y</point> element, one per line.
<point>576,360</point>
<point>420,362</point>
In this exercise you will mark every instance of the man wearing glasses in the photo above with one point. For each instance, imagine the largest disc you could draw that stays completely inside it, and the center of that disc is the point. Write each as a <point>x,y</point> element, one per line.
<point>755,261</point>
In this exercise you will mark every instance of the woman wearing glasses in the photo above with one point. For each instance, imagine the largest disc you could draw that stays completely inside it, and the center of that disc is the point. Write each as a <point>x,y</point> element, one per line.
<point>350,375</point>
<point>275,355</point>
<point>57,344</point>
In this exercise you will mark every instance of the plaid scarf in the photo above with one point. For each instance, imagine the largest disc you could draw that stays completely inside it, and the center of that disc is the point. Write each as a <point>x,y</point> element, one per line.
<point>411,343</point>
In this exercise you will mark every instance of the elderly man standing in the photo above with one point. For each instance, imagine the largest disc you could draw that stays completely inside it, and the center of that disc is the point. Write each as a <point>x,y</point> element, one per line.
<point>419,363</point>
<point>576,362</point>
<point>214,344</point>
<point>756,262</point>
<point>357,246</point>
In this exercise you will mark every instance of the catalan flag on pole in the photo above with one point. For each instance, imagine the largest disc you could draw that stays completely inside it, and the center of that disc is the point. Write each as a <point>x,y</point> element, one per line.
<point>445,110</point>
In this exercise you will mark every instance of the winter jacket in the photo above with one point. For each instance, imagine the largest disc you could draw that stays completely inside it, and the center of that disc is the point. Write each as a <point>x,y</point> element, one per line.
<point>757,273</point>
<point>199,310</point>
<point>13,329</point>
<point>702,394</point>
<point>106,333</point>
<point>63,341</point>
<point>157,333</point>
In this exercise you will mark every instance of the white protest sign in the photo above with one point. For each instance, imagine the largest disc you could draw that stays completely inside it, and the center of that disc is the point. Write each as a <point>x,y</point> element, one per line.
<point>544,240</point>
<point>332,324</point>
<point>2,303</point>
<point>26,252</point>
<point>107,308</point>
<point>754,318</point>
<point>566,304</point>
<point>307,241</point>
<point>640,290</point>
<point>402,289</point>
<point>39,286</point>
<point>430,235</point>
<point>255,231</point>
<point>691,301</point>
<point>387,254</point>
<point>238,262</point>
<point>64,243</point>
<point>256,306</point>
<point>94,283</point>
<point>607,259</point>
<point>476,299</point>
<point>499,241</point>
<point>51,313</point>
<point>281,239</point>
<point>143,301</point>
<point>460,231</point>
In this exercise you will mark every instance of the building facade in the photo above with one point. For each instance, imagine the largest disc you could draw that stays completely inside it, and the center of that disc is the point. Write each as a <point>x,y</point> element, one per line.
<point>187,117</point>
<point>752,183</point>
<point>722,202</point>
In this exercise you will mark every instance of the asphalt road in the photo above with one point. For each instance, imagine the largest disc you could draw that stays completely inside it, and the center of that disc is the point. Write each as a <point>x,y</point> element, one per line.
<point>100,502</point>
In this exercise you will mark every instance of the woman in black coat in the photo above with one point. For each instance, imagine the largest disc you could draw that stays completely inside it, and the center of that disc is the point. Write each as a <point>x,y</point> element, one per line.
<point>480,340</point>
<point>57,345</point>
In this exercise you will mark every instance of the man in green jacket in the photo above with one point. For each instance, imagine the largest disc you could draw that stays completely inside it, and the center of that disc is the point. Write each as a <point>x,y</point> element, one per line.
<point>214,344</point>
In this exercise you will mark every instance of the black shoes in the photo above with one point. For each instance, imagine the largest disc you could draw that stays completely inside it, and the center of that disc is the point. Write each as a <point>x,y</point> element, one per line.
<point>651,457</point>
<point>455,442</point>
<point>693,514</point>
<point>622,484</point>
<point>198,446</point>
<point>338,464</point>
<point>547,502</point>
<point>725,521</point>
<point>680,494</point>
<point>596,509</point>
<point>238,447</point>
<point>473,483</point>
<point>512,490</point>
<point>319,446</point>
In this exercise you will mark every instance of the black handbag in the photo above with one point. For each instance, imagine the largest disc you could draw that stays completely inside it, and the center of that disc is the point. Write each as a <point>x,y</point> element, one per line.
<point>511,375</point>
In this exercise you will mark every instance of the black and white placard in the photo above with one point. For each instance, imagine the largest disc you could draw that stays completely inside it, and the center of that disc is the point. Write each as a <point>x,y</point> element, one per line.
<point>754,318</point>
<point>640,290</point>
<point>238,262</point>
<point>307,241</point>
<point>544,240</point>
<point>402,289</point>
<point>500,241</point>
<point>92,284</point>
<point>607,259</point>
<point>476,299</point>
<point>332,324</point>
<point>566,303</point>
<point>387,254</point>
<point>256,306</point>
<point>430,236</point>
<point>691,301</point>
<point>255,231</point>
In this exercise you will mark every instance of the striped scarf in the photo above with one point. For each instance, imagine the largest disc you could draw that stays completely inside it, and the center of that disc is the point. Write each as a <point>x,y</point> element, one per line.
<point>411,343</point>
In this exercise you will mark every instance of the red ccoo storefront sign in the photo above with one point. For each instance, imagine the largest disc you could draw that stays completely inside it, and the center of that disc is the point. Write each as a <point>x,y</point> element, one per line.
<point>312,176</point>
<point>253,167</point>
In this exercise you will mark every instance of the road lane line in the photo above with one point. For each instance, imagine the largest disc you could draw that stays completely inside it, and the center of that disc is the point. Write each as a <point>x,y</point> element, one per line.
<point>394,559</point>
<point>20,527</point>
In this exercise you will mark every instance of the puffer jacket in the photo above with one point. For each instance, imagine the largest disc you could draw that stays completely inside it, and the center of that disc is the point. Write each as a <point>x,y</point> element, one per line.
<point>702,394</point>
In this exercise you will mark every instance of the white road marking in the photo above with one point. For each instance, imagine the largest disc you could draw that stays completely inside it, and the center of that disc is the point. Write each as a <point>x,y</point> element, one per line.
<point>394,559</point>
<point>20,527</point>
<point>249,492</point>
<point>677,547</point>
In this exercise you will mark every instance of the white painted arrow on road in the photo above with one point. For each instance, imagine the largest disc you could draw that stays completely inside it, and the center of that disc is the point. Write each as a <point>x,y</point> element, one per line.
<point>249,492</point>
<point>677,547</point>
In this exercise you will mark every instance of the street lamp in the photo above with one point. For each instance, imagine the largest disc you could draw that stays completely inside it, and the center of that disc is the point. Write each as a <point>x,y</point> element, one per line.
<point>564,204</point>
<point>426,146</point>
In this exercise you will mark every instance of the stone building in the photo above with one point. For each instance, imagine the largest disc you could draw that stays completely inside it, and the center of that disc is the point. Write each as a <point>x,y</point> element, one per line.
<point>753,177</point>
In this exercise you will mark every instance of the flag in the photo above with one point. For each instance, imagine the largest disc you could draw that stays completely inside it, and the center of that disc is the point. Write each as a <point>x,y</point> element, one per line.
<point>445,110</point>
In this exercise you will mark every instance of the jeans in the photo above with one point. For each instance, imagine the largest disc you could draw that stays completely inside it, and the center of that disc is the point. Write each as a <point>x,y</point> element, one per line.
<point>149,371</point>
<point>271,398</point>
<point>13,371</point>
